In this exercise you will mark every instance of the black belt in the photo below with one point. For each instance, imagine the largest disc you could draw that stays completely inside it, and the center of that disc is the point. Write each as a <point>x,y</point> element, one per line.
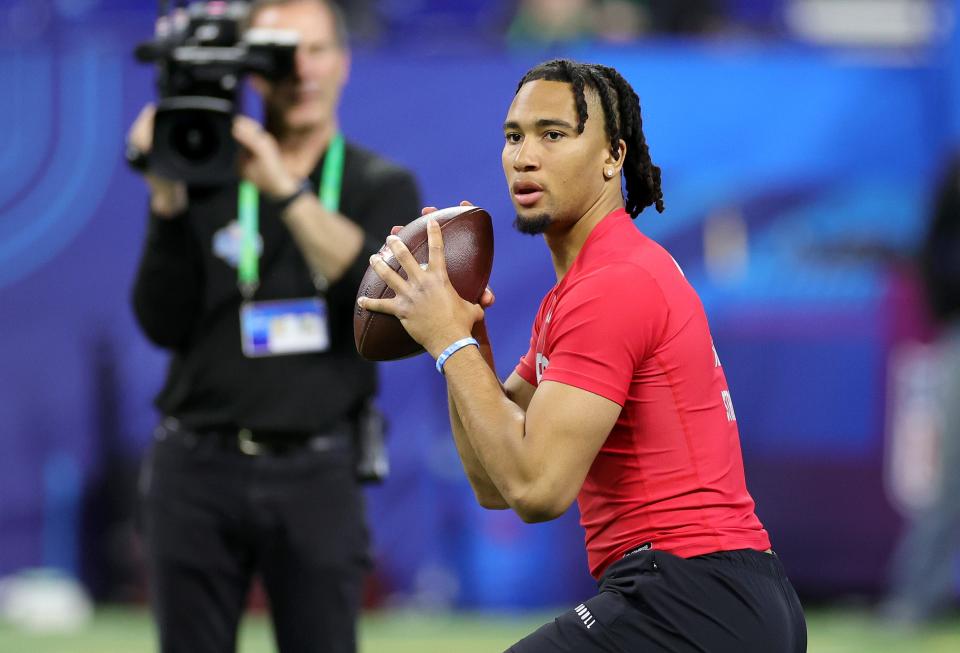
<point>259,442</point>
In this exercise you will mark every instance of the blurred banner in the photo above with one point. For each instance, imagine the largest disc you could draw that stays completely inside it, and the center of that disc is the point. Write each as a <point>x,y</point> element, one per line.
<point>795,181</point>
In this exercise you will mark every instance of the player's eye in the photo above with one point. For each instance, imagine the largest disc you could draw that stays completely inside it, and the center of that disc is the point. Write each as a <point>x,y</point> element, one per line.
<point>512,137</point>
<point>553,136</point>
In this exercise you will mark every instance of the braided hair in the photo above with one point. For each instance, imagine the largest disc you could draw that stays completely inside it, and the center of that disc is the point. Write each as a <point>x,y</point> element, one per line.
<point>621,110</point>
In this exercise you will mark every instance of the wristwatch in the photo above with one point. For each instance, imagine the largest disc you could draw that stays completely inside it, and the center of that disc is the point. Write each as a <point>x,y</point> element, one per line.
<point>136,158</point>
<point>303,187</point>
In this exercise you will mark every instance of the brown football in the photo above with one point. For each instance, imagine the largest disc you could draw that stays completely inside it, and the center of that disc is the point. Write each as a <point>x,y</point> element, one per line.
<point>468,249</point>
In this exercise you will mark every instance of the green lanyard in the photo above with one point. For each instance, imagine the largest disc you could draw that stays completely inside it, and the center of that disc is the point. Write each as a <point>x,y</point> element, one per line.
<point>248,214</point>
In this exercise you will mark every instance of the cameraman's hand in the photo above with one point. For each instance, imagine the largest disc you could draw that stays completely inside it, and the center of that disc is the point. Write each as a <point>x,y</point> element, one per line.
<point>168,198</point>
<point>260,161</point>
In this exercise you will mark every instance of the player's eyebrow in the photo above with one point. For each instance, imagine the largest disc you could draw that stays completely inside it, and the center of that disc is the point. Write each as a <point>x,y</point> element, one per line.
<point>554,122</point>
<point>542,122</point>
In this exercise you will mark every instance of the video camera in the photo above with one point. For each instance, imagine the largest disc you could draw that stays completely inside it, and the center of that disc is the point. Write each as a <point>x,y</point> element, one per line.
<point>201,54</point>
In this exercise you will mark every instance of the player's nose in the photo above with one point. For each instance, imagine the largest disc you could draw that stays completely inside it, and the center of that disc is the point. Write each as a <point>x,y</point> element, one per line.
<point>525,158</point>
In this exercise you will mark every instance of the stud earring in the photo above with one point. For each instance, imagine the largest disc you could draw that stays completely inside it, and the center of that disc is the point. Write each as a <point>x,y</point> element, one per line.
<point>608,172</point>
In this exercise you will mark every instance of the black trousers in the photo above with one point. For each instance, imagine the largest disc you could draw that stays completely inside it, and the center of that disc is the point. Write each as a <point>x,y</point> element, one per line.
<point>213,517</point>
<point>651,601</point>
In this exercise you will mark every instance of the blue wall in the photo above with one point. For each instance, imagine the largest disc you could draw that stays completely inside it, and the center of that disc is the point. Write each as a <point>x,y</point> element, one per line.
<point>818,152</point>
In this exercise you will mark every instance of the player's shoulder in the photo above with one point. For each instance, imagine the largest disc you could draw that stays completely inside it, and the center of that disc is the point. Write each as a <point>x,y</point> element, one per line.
<point>638,256</point>
<point>634,271</point>
<point>633,249</point>
<point>626,245</point>
<point>615,279</point>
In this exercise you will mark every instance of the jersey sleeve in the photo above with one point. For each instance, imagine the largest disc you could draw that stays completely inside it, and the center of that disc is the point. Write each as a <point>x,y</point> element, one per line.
<point>603,328</point>
<point>526,368</point>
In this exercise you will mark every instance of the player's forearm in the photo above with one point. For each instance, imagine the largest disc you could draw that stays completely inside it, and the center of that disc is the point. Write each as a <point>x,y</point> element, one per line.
<point>487,493</point>
<point>328,241</point>
<point>494,428</point>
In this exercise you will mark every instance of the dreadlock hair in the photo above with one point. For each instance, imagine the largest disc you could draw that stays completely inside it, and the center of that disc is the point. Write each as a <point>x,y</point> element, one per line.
<point>621,111</point>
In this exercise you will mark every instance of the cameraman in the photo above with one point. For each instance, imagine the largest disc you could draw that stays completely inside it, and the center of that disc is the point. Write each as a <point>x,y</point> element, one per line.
<point>254,466</point>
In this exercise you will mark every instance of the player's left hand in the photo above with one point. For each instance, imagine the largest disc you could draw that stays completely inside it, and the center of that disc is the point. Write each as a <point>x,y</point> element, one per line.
<point>260,161</point>
<point>426,303</point>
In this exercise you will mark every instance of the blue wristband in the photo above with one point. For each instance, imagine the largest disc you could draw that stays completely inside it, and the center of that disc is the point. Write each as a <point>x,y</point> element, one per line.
<point>454,348</point>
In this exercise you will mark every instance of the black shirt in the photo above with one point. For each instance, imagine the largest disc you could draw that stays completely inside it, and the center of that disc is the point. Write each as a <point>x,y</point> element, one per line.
<point>940,258</point>
<point>186,299</point>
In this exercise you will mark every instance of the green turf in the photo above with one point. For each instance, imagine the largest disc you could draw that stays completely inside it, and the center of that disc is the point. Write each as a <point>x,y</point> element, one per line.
<point>129,631</point>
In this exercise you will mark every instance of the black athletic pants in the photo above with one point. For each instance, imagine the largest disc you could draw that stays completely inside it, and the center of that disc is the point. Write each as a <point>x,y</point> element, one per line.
<point>650,601</point>
<point>213,517</point>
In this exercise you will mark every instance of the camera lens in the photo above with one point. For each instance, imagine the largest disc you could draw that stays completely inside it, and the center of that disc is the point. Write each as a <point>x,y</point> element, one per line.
<point>195,137</point>
<point>193,142</point>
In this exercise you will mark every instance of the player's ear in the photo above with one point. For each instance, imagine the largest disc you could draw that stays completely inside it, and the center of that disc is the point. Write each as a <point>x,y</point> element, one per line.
<point>612,165</point>
<point>617,162</point>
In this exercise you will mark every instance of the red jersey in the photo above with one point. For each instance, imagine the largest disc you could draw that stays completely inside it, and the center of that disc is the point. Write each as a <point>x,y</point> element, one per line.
<point>624,323</point>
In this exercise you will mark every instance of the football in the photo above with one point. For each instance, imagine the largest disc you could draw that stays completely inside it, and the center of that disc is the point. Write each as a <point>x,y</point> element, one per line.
<point>468,250</point>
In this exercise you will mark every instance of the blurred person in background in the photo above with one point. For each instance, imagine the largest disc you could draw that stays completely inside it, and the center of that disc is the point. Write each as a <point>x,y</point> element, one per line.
<point>620,402</point>
<point>923,573</point>
<point>362,19</point>
<point>551,21</point>
<point>254,467</point>
<point>548,22</point>
<point>688,17</point>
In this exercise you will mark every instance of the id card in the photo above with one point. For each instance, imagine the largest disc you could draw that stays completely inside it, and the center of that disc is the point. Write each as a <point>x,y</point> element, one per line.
<point>285,326</point>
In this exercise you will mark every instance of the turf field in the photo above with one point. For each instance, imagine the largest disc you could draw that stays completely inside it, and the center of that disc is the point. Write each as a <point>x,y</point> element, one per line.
<point>127,631</point>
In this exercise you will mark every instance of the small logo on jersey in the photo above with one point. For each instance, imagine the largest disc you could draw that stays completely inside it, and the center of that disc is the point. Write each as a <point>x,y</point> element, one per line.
<point>716,356</point>
<point>585,616</point>
<point>728,404</point>
<point>542,362</point>
<point>226,243</point>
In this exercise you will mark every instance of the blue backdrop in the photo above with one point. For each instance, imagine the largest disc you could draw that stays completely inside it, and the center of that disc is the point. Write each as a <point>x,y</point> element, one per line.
<point>810,159</point>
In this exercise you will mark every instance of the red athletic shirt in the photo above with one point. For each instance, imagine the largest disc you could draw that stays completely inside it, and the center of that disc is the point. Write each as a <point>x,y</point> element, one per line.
<point>623,323</point>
